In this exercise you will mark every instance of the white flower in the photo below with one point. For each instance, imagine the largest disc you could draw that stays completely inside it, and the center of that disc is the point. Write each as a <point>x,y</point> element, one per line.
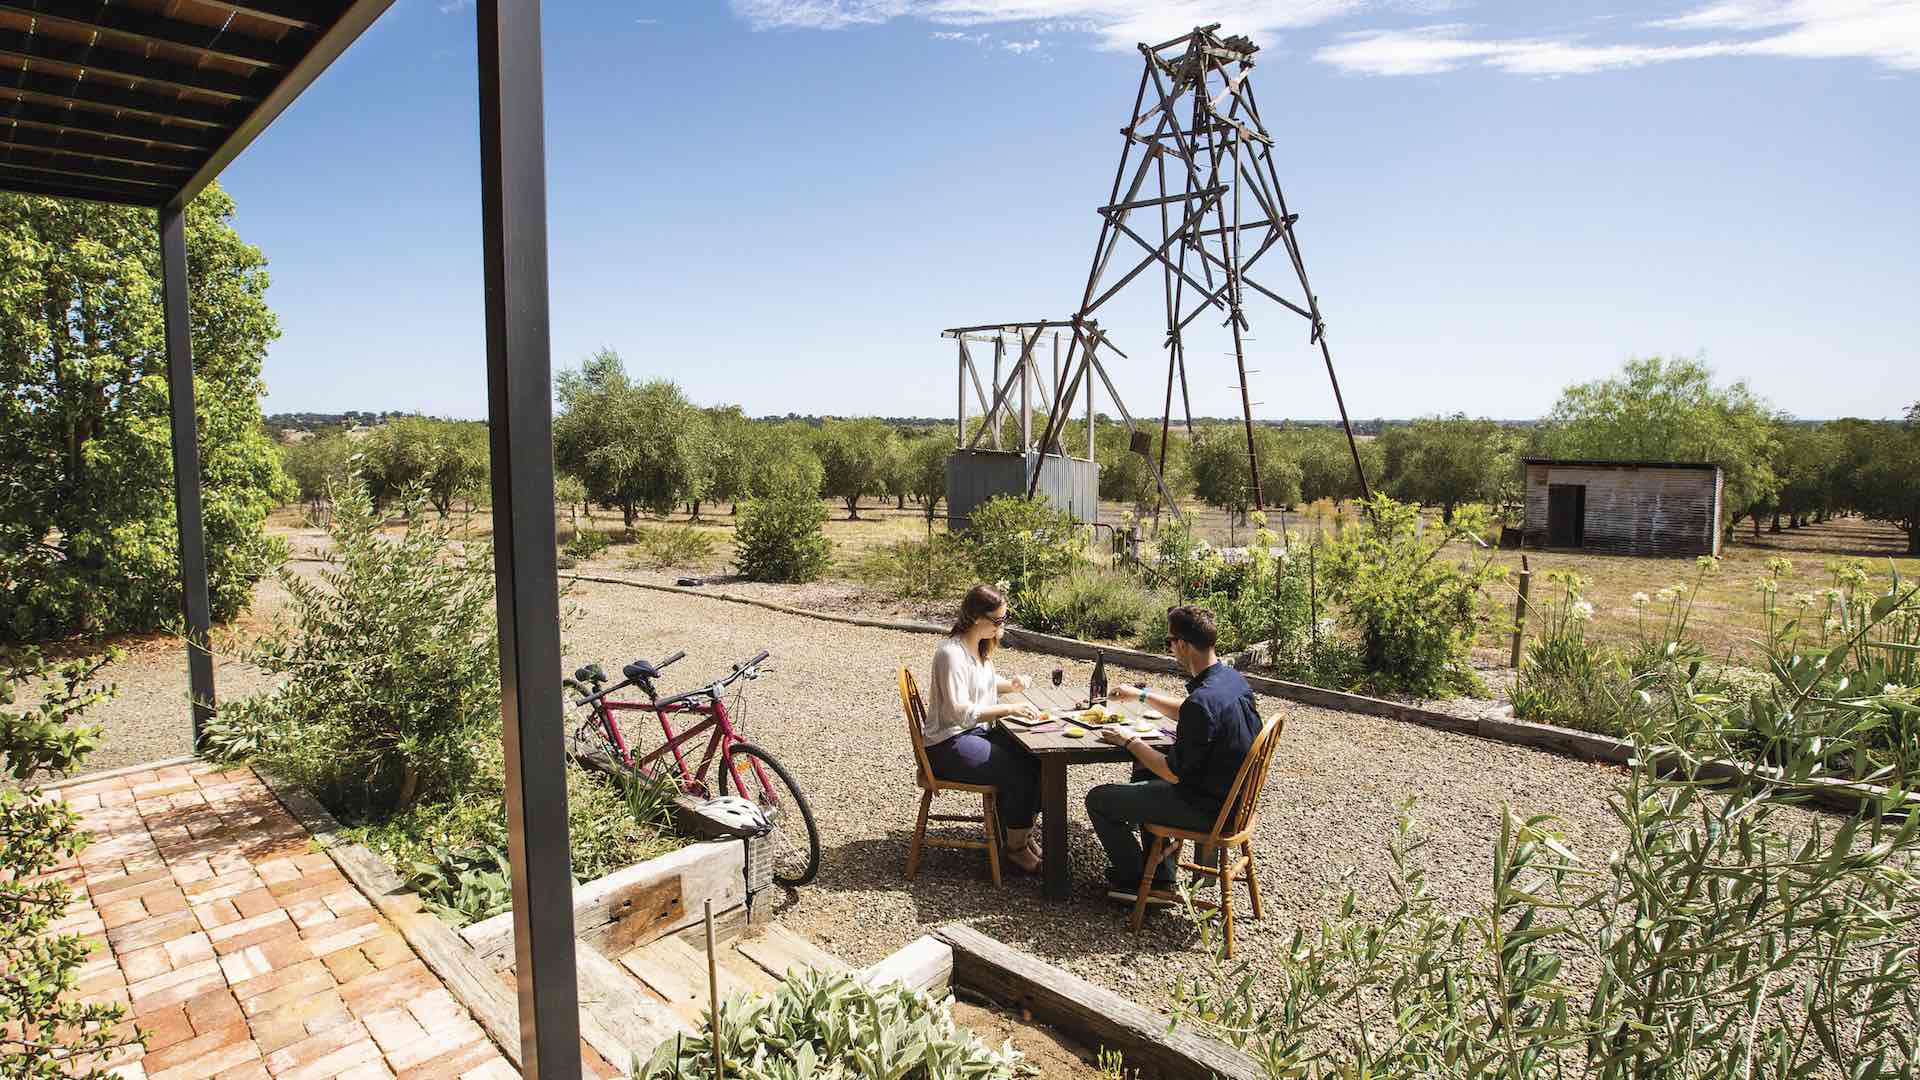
<point>1640,599</point>
<point>1581,610</point>
<point>1832,624</point>
<point>1803,600</point>
<point>1668,595</point>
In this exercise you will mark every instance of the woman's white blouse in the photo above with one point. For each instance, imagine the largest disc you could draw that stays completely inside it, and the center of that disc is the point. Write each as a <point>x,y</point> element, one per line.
<point>962,685</point>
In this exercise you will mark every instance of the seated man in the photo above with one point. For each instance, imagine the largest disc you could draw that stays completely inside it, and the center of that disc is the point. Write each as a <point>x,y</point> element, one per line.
<point>1186,786</point>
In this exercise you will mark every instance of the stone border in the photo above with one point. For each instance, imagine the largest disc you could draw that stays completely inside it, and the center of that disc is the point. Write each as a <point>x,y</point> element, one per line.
<point>1844,796</point>
<point>1092,1014</point>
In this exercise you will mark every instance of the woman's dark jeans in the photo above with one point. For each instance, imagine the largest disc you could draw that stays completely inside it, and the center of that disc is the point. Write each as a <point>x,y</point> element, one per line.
<point>988,755</point>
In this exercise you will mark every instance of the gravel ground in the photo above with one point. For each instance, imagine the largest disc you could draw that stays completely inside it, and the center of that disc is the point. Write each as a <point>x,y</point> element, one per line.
<point>830,711</point>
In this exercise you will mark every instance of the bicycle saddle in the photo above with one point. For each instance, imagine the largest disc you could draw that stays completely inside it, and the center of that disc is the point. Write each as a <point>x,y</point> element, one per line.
<point>591,674</point>
<point>641,669</point>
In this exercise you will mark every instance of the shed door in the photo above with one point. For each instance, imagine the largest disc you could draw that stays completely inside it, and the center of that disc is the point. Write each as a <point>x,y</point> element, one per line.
<point>1566,515</point>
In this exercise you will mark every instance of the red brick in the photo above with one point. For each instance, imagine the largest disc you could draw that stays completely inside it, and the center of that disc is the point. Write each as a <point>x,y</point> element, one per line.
<point>214,1010</point>
<point>217,913</point>
<point>372,1070</point>
<point>387,950</point>
<point>121,912</point>
<point>274,980</point>
<point>191,949</point>
<point>164,1027</point>
<point>451,1062</point>
<point>324,1055</point>
<point>165,902</point>
<point>244,926</point>
<point>324,881</point>
<point>155,931</point>
<point>394,1030</point>
<point>307,985</point>
<point>248,963</point>
<point>175,977</point>
<point>343,933</point>
<point>199,1047</point>
<point>145,963</point>
<point>295,1020</point>
<point>180,992</point>
<point>389,989</point>
<point>257,901</point>
<point>251,1070</point>
<point>272,932</point>
<point>348,964</point>
<point>498,1069</point>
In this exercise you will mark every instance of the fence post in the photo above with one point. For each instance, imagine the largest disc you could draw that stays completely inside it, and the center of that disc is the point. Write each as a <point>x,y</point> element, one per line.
<point>1520,611</point>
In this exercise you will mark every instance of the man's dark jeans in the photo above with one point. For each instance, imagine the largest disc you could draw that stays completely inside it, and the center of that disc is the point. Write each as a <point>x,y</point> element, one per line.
<point>1118,811</point>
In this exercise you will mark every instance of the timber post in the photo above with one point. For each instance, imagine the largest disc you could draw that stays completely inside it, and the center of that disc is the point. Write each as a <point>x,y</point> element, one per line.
<point>1520,612</point>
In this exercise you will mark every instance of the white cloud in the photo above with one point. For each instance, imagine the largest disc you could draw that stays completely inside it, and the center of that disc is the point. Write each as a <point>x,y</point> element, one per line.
<point>1886,32</point>
<point>1017,47</point>
<point>1117,24</point>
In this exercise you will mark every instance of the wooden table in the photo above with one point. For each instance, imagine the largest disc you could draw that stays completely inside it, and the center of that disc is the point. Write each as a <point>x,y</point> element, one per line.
<point>1056,751</point>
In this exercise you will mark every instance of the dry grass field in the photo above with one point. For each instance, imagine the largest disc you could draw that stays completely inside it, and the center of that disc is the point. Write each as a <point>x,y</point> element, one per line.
<point>1727,619</point>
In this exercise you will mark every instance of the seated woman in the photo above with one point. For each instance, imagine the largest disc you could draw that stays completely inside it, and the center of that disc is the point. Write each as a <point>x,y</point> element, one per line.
<point>963,743</point>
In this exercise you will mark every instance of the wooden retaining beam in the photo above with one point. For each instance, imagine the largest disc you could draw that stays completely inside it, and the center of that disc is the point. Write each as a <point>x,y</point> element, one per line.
<point>641,903</point>
<point>1091,1014</point>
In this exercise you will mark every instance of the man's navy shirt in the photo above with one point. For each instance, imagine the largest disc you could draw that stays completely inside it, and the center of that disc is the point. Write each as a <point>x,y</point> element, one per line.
<point>1218,722</point>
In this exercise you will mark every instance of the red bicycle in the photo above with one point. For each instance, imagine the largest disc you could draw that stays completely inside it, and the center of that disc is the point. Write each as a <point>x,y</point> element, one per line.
<point>745,769</point>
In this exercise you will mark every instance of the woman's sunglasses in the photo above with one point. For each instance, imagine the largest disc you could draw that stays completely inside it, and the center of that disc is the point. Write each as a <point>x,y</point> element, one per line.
<point>1001,621</point>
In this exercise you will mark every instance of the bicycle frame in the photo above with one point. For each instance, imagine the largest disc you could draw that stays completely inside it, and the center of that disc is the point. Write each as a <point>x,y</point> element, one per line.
<point>716,721</point>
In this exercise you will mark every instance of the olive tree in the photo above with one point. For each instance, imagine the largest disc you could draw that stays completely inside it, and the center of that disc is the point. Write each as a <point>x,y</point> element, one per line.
<point>854,455</point>
<point>635,446</point>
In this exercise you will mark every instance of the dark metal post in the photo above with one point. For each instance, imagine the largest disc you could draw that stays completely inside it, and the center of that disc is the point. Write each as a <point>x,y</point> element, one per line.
<point>513,201</point>
<point>194,601</point>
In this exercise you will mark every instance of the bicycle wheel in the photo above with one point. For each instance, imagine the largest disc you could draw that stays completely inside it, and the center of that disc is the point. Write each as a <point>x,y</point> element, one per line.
<point>794,843</point>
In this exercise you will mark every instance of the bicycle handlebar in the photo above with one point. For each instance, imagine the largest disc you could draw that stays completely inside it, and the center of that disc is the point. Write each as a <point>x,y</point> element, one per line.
<point>746,669</point>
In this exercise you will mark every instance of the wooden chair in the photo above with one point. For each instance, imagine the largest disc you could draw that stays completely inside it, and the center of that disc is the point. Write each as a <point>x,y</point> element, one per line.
<point>1232,829</point>
<point>931,785</point>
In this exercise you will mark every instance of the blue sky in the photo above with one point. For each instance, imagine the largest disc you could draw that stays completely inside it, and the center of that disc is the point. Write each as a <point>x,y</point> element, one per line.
<point>781,202</point>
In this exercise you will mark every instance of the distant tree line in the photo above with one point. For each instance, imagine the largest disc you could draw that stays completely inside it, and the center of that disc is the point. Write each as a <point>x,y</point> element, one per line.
<point>643,447</point>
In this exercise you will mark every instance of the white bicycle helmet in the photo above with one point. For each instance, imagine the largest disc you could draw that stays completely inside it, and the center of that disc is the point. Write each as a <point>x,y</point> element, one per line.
<point>736,815</point>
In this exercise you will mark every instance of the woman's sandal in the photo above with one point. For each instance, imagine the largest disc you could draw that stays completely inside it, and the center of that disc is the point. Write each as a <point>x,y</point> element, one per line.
<point>1025,859</point>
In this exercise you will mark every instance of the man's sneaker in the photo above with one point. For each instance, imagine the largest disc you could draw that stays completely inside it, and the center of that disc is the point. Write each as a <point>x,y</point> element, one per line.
<point>1156,897</point>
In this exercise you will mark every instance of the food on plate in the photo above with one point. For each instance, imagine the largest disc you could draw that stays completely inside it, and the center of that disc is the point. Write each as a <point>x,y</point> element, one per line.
<point>1145,726</point>
<point>1075,731</point>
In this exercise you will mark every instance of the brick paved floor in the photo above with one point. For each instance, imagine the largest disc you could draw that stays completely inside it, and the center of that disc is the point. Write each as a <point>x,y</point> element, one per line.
<point>242,952</point>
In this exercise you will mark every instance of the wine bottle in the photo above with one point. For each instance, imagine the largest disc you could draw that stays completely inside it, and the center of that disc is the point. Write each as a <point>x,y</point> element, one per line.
<point>1097,686</point>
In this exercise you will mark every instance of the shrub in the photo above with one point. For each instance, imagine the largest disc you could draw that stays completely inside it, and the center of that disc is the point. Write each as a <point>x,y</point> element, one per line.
<point>1023,542</point>
<point>587,544</point>
<point>1413,612</point>
<point>681,545</point>
<point>937,568</point>
<point>1726,936</point>
<point>390,671</point>
<point>454,853</point>
<point>44,1030</point>
<point>1098,605</point>
<point>1568,679</point>
<point>780,539</point>
<point>831,1024</point>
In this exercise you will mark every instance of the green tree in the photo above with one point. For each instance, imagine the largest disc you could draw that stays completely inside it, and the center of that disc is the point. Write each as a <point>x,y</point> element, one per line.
<point>448,459</point>
<point>736,442</point>
<point>1447,461</point>
<point>1217,461</point>
<point>45,1032</point>
<point>785,463</point>
<point>1670,410</point>
<point>854,456</point>
<point>927,471</point>
<point>1806,459</point>
<point>317,465</point>
<point>88,539</point>
<point>634,446</point>
<point>1880,464</point>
